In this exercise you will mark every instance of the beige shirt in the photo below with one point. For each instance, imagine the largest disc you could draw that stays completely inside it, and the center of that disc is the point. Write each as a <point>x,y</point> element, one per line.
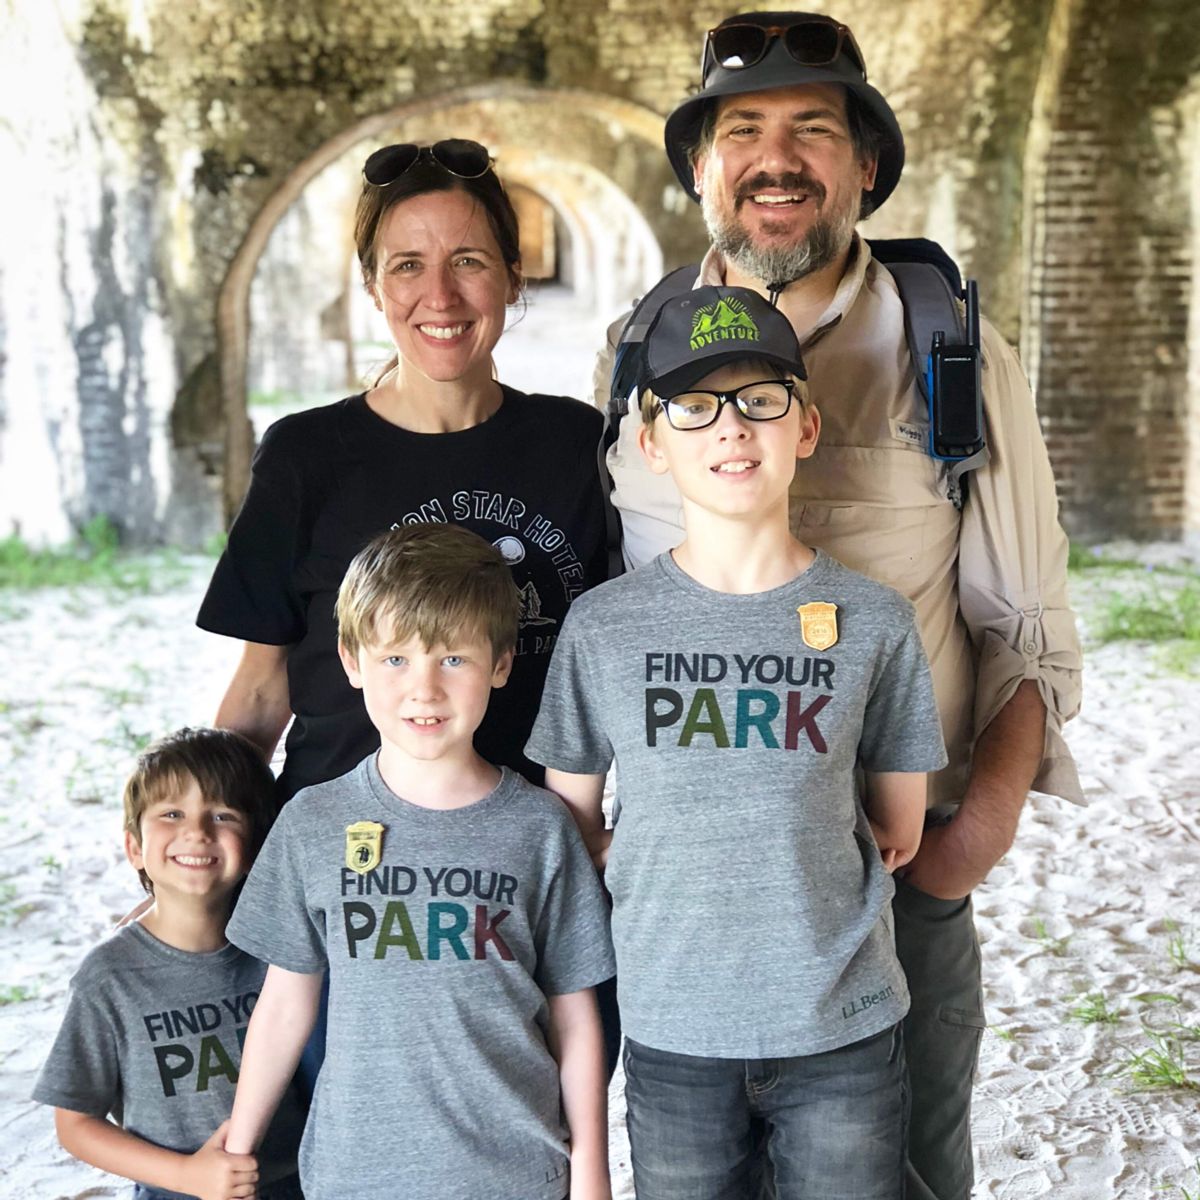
<point>989,582</point>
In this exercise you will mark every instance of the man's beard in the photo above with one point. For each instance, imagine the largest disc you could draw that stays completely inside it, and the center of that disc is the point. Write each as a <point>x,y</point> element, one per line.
<point>825,240</point>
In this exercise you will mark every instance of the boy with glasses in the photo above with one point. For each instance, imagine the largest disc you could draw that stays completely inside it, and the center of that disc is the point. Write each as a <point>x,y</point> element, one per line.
<point>739,682</point>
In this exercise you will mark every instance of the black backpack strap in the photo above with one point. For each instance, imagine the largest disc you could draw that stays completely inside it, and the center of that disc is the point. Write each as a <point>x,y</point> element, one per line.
<point>929,306</point>
<point>627,359</point>
<point>625,370</point>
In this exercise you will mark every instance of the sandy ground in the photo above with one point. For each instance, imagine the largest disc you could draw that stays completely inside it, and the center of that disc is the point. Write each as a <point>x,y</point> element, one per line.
<point>1089,901</point>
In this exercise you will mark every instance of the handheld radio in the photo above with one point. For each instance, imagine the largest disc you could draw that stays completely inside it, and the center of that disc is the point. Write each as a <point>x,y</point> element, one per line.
<point>955,391</point>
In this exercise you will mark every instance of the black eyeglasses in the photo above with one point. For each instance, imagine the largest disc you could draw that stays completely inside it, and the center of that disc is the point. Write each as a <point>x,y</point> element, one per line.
<point>459,156</point>
<point>812,42</point>
<point>767,400</point>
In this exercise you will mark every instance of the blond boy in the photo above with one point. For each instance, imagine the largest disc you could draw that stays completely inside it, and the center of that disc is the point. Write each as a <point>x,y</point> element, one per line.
<point>454,907</point>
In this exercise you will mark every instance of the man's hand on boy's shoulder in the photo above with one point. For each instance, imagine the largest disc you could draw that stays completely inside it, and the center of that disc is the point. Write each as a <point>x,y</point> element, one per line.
<point>212,1173</point>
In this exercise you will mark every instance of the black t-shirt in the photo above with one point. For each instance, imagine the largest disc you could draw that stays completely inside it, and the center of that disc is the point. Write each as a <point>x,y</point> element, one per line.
<point>327,480</point>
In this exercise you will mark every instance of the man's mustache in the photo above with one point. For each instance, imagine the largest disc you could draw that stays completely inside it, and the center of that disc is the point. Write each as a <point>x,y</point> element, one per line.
<point>789,181</point>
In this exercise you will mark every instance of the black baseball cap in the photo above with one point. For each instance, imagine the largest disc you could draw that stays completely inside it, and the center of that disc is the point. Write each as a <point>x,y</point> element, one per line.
<point>776,69</point>
<point>694,334</point>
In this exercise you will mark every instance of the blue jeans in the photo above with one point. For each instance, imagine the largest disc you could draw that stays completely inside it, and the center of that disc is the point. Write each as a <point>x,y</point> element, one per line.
<point>833,1124</point>
<point>281,1189</point>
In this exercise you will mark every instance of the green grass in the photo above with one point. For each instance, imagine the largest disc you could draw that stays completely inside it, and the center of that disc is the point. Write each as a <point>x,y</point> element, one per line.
<point>1052,945</point>
<point>1093,1009</point>
<point>1186,1192</point>
<point>1178,945</point>
<point>1161,1066</point>
<point>1080,558</point>
<point>15,993</point>
<point>1153,614</point>
<point>95,557</point>
<point>10,910</point>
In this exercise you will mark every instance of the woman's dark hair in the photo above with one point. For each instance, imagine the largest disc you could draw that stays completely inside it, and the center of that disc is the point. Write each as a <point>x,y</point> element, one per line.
<point>424,176</point>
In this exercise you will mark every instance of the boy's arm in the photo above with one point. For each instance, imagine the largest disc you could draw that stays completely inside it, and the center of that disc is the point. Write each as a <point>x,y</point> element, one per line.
<point>895,804</point>
<point>576,1040</point>
<point>583,795</point>
<point>212,1173</point>
<point>283,1018</point>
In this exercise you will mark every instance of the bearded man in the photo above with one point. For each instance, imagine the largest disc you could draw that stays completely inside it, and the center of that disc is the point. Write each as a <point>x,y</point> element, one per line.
<point>786,147</point>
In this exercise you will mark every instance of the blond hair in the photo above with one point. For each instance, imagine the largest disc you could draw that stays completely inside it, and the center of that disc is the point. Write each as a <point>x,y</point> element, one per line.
<point>435,582</point>
<point>226,767</point>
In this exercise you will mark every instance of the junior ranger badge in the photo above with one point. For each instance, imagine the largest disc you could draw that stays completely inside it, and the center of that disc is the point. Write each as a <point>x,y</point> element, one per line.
<point>818,625</point>
<point>364,846</point>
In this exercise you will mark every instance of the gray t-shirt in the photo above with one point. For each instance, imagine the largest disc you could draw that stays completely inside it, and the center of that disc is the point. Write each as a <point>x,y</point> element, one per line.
<point>751,915</point>
<point>153,1036</point>
<point>437,1081</point>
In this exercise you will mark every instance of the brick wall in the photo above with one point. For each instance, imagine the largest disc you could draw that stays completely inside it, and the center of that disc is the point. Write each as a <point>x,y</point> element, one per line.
<point>1110,286</point>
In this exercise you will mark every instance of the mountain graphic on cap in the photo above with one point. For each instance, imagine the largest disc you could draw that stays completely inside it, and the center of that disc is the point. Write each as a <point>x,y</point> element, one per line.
<point>727,319</point>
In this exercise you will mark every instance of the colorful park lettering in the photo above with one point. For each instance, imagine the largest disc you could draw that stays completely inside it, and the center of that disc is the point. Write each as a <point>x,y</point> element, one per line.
<point>446,930</point>
<point>756,713</point>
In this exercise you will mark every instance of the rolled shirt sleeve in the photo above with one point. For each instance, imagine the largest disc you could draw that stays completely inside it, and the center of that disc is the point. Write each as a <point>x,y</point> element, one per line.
<point>1012,570</point>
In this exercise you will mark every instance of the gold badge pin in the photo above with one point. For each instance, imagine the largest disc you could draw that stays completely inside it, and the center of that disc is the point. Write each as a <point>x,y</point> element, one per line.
<point>818,625</point>
<point>364,846</point>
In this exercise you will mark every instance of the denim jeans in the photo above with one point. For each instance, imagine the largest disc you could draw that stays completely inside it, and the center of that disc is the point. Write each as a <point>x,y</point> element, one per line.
<point>832,1125</point>
<point>281,1189</point>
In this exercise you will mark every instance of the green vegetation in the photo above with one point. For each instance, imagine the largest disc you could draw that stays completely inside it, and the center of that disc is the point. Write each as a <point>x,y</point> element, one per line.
<point>94,558</point>
<point>1143,603</point>
<point>1178,945</point>
<point>15,993</point>
<point>1162,1065</point>
<point>1093,1009</point>
<point>1052,945</point>
<point>1080,558</point>
<point>1153,614</point>
<point>10,910</point>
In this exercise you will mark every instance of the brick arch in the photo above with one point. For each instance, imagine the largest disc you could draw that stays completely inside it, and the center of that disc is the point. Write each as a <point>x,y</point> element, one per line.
<point>567,144</point>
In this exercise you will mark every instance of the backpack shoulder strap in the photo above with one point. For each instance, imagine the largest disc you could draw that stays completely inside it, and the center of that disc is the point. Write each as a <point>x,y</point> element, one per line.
<point>930,287</point>
<point>628,353</point>
<point>626,361</point>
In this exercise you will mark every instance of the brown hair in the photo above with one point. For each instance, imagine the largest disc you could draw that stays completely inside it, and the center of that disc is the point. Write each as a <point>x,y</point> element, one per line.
<point>435,582</point>
<point>424,176</point>
<point>228,769</point>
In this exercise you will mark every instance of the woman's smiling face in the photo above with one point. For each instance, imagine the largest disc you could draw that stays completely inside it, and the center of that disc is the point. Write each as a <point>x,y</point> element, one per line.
<point>442,285</point>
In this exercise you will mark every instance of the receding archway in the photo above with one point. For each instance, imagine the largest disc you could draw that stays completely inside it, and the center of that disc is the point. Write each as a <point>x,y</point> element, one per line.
<point>568,145</point>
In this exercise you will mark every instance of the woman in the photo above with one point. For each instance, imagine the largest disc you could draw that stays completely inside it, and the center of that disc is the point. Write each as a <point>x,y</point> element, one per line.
<point>436,439</point>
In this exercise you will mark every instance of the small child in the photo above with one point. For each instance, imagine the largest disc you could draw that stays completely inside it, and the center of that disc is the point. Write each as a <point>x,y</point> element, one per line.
<point>739,682</point>
<point>157,1012</point>
<point>454,906</point>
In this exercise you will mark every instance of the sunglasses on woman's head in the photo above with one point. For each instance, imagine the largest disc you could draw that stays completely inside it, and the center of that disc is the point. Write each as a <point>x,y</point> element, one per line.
<point>459,156</point>
<point>812,42</point>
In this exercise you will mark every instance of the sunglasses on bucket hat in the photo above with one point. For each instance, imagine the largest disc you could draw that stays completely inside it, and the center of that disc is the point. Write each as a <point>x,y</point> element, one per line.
<point>811,40</point>
<point>459,156</point>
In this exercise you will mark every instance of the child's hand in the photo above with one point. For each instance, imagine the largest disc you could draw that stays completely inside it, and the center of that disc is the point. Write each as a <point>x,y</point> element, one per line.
<point>213,1174</point>
<point>590,1185</point>
<point>893,856</point>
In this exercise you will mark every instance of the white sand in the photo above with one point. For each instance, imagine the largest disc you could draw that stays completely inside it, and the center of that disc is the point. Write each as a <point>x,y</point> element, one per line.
<point>86,675</point>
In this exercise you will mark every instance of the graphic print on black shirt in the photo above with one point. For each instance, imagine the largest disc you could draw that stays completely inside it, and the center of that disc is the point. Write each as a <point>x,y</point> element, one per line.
<point>327,480</point>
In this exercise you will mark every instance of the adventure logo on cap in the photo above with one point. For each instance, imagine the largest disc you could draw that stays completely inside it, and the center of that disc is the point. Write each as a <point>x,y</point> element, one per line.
<point>694,334</point>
